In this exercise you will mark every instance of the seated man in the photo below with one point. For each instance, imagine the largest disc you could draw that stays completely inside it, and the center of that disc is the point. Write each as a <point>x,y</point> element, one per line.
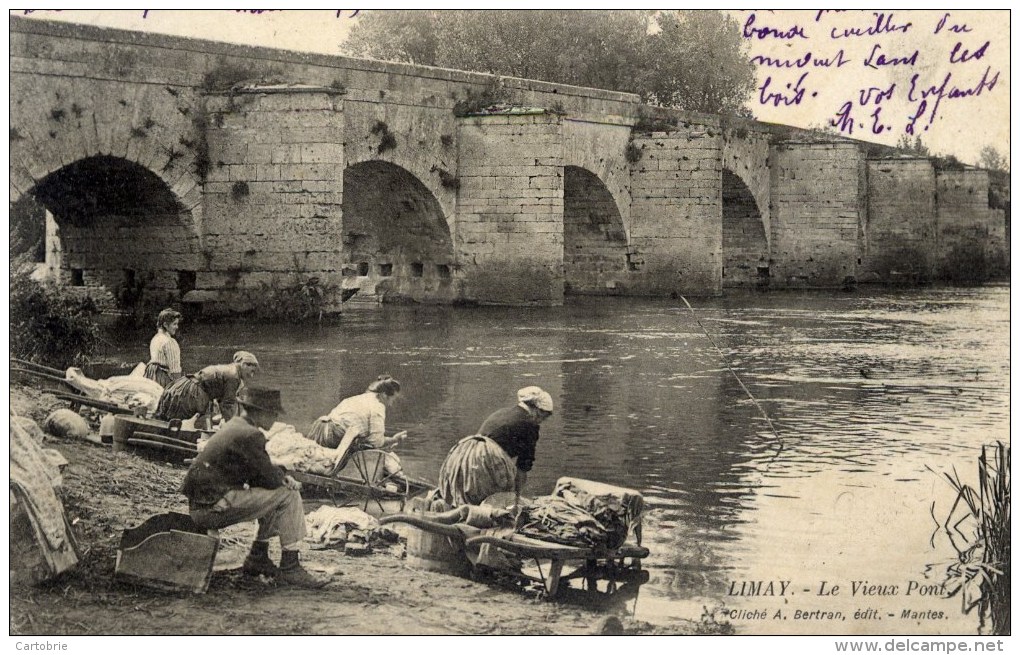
<point>232,481</point>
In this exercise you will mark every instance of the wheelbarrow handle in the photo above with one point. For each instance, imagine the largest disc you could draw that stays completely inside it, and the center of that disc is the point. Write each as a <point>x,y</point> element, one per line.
<point>39,367</point>
<point>425,524</point>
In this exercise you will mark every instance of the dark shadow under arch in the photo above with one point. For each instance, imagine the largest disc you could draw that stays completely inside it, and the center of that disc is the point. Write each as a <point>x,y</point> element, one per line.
<point>123,234</point>
<point>104,186</point>
<point>745,245</point>
<point>396,240</point>
<point>594,238</point>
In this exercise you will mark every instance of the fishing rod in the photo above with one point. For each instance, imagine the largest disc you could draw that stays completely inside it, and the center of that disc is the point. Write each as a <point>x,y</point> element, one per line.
<point>737,378</point>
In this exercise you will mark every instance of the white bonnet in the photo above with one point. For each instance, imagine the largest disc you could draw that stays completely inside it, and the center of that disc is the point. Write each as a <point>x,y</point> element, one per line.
<point>535,397</point>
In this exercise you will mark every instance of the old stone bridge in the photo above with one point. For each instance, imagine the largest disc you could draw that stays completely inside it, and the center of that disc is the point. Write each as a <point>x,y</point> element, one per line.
<point>217,175</point>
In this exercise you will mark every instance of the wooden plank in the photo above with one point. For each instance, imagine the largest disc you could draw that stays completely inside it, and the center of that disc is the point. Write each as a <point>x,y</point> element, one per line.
<point>172,559</point>
<point>347,486</point>
<point>162,438</point>
<point>113,408</point>
<point>552,583</point>
<point>39,367</point>
<point>527,547</point>
<point>45,376</point>
<point>159,444</point>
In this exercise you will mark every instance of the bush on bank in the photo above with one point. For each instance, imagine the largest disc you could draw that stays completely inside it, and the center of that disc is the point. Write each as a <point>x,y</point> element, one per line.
<point>49,324</point>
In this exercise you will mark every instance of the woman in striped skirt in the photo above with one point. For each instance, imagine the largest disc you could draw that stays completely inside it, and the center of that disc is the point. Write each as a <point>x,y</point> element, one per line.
<point>193,394</point>
<point>164,352</point>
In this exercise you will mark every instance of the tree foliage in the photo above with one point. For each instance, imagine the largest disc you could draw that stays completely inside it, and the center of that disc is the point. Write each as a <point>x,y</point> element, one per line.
<point>993,160</point>
<point>915,147</point>
<point>28,230</point>
<point>693,60</point>
<point>697,62</point>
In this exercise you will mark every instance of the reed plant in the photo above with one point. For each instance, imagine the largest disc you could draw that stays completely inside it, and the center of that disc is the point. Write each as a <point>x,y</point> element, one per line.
<point>978,529</point>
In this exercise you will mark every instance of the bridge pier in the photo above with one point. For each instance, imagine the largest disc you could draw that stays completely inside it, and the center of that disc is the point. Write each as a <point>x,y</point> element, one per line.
<point>676,212</point>
<point>818,199</point>
<point>273,193</point>
<point>509,225</point>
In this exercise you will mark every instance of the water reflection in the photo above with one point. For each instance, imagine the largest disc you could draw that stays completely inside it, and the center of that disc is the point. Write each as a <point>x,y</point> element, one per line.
<point>866,394</point>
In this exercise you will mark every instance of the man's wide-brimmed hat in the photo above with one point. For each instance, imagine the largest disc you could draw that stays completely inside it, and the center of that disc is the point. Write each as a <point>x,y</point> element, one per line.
<point>265,399</point>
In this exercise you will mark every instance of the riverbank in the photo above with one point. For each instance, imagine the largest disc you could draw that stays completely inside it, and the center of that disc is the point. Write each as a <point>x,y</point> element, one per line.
<point>105,492</point>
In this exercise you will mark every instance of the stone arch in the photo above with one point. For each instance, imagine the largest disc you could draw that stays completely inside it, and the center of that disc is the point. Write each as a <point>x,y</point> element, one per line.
<point>396,237</point>
<point>595,241</point>
<point>599,149</point>
<point>124,234</point>
<point>745,240</point>
<point>745,154</point>
<point>59,120</point>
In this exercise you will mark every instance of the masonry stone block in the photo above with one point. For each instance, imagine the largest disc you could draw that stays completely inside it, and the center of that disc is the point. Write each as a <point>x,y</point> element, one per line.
<point>665,208</point>
<point>900,235</point>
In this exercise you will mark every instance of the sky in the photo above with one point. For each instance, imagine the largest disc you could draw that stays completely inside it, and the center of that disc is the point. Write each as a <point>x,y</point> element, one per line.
<point>907,65</point>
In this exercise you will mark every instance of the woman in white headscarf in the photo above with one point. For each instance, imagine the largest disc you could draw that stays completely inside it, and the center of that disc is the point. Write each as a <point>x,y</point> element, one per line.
<point>193,394</point>
<point>498,458</point>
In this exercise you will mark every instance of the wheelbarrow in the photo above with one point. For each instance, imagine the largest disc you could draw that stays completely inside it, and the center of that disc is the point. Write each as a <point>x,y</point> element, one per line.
<point>360,480</point>
<point>484,551</point>
<point>54,381</point>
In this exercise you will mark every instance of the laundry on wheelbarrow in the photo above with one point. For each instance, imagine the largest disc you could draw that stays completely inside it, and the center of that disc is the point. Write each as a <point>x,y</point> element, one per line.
<point>583,513</point>
<point>292,450</point>
<point>133,390</point>
<point>555,519</point>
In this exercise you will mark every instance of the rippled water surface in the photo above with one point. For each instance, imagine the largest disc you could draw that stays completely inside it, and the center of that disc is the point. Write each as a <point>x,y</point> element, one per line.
<point>871,398</point>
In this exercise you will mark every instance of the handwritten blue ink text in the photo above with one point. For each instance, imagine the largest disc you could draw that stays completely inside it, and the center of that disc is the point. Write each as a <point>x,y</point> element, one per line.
<point>876,58</point>
<point>760,33</point>
<point>883,25</point>
<point>958,29</point>
<point>808,59</point>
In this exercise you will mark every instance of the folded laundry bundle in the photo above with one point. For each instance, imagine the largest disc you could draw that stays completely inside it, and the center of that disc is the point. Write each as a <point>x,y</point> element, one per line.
<point>582,513</point>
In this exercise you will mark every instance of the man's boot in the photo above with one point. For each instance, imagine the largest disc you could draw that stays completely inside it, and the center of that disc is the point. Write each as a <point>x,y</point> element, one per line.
<point>258,563</point>
<point>292,573</point>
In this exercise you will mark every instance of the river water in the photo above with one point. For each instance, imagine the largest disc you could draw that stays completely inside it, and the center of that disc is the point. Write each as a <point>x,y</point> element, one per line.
<point>872,397</point>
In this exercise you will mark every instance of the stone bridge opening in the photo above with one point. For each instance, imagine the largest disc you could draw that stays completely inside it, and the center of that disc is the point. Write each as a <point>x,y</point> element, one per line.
<point>396,240</point>
<point>114,227</point>
<point>594,238</point>
<point>745,245</point>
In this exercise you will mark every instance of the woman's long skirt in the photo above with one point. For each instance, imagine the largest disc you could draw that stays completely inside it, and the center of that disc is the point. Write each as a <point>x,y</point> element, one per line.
<point>158,373</point>
<point>184,398</point>
<point>476,468</point>
<point>326,433</point>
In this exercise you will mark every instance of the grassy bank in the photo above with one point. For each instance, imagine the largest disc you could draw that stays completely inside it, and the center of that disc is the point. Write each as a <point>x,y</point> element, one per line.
<point>105,492</point>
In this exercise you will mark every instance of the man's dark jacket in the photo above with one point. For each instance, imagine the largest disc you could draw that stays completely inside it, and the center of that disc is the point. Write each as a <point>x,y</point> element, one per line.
<point>235,456</point>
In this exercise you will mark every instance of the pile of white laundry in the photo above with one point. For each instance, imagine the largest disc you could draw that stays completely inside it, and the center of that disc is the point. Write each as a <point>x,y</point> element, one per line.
<point>334,526</point>
<point>292,450</point>
<point>128,390</point>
